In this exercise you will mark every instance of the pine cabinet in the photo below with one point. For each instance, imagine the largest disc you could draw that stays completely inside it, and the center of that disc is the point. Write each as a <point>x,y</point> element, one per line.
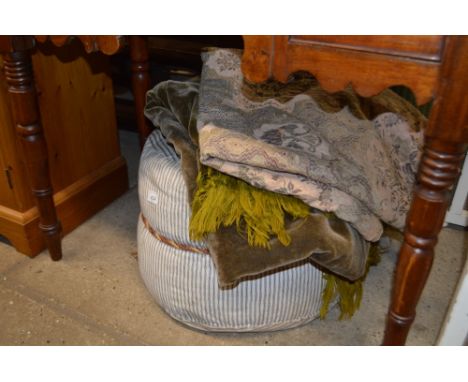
<point>87,170</point>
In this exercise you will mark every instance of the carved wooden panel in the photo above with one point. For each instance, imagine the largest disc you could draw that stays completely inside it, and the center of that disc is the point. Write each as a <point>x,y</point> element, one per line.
<point>335,67</point>
<point>106,44</point>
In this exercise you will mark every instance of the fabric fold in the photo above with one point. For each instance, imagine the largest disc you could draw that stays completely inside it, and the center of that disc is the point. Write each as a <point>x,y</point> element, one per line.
<point>286,140</point>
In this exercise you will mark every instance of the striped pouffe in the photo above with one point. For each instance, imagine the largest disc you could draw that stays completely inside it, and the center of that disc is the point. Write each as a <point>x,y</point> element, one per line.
<point>181,276</point>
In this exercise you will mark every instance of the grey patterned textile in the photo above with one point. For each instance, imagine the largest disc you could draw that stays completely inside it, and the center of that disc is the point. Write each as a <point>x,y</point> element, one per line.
<point>362,170</point>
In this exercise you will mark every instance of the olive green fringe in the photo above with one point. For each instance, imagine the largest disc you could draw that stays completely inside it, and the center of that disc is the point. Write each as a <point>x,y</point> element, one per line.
<point>349,294</point>
<point>223,200</point>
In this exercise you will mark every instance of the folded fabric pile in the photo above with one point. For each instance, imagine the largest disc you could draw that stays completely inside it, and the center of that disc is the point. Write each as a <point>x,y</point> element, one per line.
<point>362,170</point>
<point>278,174</point>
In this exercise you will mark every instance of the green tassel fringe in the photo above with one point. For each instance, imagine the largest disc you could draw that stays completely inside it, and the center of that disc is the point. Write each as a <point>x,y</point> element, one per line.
<point>349,293</point>
<point>223,200</point>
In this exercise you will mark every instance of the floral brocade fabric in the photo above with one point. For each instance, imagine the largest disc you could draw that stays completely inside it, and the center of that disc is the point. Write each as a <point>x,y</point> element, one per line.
<point>301,141</point>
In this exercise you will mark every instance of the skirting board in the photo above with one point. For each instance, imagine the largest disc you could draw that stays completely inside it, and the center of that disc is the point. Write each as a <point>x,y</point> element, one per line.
<point>460,218</point>
<point>455,328</point>
<point>457,213</point>
<point>74,204</point>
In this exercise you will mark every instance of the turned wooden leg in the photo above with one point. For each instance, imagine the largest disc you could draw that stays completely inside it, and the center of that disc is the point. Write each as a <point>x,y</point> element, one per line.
<point>19,77</point>
<point>440,167</point>
<point>140,82</point>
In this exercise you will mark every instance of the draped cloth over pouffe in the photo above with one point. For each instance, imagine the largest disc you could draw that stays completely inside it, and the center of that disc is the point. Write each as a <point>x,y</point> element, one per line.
<point>331,243</point>
<point>243,287</point>
<point>185,283</point>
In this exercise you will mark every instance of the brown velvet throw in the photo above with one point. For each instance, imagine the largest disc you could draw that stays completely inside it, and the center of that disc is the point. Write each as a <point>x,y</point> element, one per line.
<point>329,243</point>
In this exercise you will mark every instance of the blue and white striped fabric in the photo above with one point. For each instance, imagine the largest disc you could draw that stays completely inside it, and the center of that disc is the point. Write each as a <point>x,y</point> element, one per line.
<point>162,191</point>
<point>184,283</point>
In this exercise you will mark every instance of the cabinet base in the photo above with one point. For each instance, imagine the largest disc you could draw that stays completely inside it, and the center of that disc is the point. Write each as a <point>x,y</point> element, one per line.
<point>75,204</point>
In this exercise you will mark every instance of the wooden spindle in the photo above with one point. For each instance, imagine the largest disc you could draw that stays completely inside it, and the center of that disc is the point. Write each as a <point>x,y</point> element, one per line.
<point>21,88</point>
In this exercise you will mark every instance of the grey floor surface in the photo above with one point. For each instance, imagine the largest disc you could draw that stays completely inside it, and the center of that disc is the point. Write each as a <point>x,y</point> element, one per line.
<point>94,296</point>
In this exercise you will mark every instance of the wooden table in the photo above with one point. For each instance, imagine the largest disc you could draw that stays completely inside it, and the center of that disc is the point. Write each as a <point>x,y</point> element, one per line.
<point>434,67</point>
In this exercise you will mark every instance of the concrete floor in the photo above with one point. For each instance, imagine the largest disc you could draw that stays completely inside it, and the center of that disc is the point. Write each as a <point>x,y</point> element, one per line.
<point>94,296</point>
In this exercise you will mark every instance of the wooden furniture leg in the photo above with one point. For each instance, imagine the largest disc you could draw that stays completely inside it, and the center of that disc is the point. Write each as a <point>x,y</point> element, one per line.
<point>440,167</point>
<point>140,82</point>
<point>446,140</point>
<point>21,88</point>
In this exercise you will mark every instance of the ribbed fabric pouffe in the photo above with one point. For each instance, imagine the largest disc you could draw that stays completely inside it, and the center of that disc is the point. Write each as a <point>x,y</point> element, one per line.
<point>184,283</point>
